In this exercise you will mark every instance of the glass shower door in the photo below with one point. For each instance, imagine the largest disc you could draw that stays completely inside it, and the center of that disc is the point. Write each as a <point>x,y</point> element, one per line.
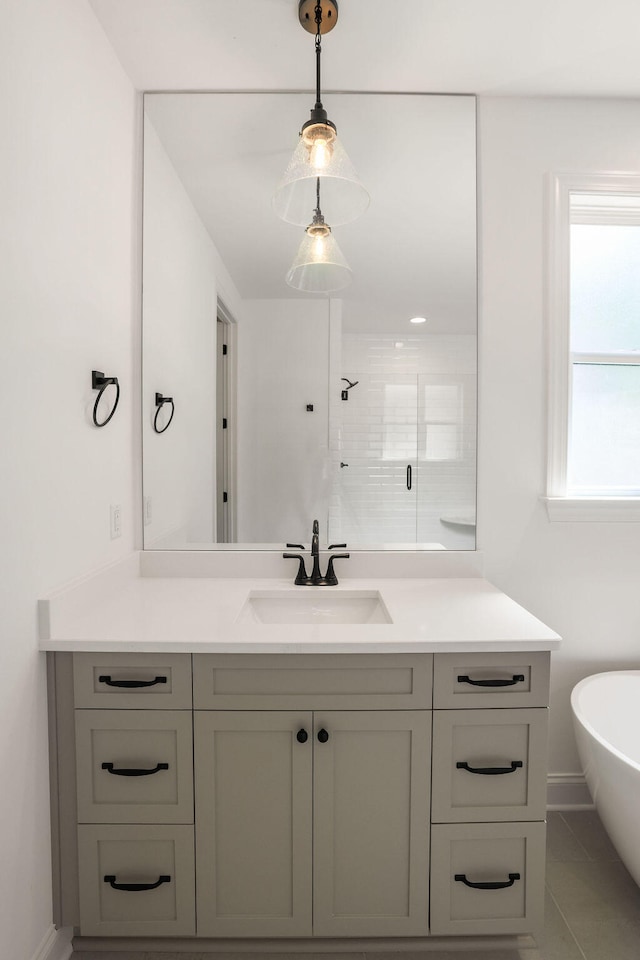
<point>446,457</point>
<point>374,463</point>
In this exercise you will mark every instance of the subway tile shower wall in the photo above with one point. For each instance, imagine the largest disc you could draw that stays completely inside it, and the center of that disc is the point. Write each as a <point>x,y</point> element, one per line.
<point>414,406</point>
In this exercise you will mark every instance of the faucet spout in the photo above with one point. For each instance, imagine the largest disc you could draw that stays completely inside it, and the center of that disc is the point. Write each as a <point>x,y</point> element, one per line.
<point>316,576</point>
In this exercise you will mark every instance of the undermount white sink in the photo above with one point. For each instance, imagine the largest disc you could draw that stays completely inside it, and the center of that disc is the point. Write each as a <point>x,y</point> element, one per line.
<point>285,606</point>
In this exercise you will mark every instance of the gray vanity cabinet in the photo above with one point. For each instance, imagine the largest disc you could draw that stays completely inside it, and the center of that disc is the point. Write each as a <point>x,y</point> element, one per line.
<point>312,823</point>
<point>299,795</point>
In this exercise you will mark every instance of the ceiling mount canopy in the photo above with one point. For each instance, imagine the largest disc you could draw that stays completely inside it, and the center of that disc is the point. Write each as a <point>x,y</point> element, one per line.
<point>307,15</point>
<point>319,153</point>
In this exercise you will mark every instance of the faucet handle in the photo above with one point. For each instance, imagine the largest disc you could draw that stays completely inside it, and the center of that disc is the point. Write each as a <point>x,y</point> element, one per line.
<point>301,580</point>
<point>330,578</point>
<point>298,546</point>
<point>332,546</point>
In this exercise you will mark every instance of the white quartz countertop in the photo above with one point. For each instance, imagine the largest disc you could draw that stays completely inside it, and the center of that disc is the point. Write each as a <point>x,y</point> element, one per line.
<point>124,611</point>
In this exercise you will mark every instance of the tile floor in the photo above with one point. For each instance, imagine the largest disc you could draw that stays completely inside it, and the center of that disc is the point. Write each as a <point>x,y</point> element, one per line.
<point>592,907</point>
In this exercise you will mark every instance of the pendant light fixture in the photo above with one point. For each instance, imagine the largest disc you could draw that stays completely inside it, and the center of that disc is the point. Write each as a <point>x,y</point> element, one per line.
<point>319,266</point>
<point>319,153</point>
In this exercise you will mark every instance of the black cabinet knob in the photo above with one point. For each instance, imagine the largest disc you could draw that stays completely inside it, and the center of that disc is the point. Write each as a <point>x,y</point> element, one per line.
<point>302,736</point>
<point>323,736</point>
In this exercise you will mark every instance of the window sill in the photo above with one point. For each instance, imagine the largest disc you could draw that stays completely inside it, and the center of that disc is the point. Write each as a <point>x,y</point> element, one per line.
<point>598,510</point>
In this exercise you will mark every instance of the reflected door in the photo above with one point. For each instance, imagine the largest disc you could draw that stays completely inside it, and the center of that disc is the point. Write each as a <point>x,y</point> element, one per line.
<point>374,462</point>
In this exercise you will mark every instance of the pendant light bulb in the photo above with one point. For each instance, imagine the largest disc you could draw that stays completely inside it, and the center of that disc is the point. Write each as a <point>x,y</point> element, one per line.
<point>319,139</point>
<point>319,248</point>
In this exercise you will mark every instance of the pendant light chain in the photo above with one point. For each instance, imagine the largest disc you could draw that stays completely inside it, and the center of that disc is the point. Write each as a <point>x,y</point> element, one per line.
<point>318,12</point>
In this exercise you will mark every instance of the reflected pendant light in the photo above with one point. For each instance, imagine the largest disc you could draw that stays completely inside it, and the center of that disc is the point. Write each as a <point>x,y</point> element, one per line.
<point>319,266</point>
<point>319,152</point>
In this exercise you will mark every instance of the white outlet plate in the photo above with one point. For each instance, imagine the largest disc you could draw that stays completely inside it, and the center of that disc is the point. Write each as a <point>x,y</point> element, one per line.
<point>116,521</point>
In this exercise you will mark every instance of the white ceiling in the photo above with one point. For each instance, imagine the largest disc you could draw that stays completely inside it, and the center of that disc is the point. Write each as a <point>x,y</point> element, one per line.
<point>486,47</point>
<point>483,47</point>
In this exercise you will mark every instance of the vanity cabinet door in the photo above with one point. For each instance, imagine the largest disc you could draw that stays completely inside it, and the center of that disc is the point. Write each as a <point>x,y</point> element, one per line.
<point>253,775</point>
<point>371,823</point>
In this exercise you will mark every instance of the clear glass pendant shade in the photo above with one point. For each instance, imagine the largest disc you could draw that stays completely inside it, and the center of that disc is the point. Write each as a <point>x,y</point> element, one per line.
<point>344,198</point>
<point>319,266</point>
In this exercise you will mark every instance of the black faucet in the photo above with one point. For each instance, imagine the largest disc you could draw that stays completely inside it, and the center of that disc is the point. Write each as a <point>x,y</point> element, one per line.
<point>316,576</point>
<point>316,579</point>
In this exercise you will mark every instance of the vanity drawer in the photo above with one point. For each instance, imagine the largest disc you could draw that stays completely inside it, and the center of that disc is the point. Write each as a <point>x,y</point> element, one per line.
<point>491,680</point>
<point>160,859</point>
<point>132,680</point>
<point>323,682</point>
<point>134,766</point>
<point>509,856</point>
<point>489,765</point>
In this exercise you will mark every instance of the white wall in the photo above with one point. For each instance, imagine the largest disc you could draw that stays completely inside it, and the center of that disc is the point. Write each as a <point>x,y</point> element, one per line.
<point>179,326</point>
<point>581,578</point>
<point>68,265</point>
<point>283,465</point>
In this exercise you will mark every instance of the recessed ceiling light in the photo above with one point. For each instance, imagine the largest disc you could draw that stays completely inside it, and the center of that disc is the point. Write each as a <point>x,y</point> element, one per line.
<point>418,320</point>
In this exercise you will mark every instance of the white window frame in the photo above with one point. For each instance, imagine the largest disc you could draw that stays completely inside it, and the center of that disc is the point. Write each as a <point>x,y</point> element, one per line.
<point>559,505</point>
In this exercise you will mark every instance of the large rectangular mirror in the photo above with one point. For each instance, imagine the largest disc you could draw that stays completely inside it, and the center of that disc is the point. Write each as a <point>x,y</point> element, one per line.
<point>265,408</point>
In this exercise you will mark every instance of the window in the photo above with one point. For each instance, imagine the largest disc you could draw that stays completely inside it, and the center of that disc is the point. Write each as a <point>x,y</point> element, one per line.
<point>594,340</point>
<point>422,420</point>
<point>442,417</point>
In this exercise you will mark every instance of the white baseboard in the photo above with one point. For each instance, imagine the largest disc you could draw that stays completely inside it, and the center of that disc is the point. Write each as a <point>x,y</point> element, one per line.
<point>568,791</point>
<point>55,945</point>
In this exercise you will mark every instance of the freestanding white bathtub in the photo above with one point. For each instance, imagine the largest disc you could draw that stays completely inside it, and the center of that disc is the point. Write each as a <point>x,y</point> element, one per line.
<point>606,714</point>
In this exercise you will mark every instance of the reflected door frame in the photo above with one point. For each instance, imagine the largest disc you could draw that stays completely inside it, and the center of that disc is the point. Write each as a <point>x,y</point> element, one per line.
<point>225,506</point>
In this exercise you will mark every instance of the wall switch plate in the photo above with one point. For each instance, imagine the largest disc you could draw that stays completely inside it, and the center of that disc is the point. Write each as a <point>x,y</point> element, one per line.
<point>147,512</point>
<point>116,520</point>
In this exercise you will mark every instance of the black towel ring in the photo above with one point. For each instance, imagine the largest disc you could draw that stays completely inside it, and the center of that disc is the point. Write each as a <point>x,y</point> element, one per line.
<point>160,401</point>
<point>100,382</point>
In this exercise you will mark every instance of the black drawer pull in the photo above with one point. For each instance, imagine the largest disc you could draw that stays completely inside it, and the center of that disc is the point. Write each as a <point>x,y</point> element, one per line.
<point>323,736</point>
<point>491,885</point>
<point>134,772</point>
<point>135,887</point>
<point>489,771</point>
<point>517,678</point>
<point>302,736</point>
<point>131,684</point>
